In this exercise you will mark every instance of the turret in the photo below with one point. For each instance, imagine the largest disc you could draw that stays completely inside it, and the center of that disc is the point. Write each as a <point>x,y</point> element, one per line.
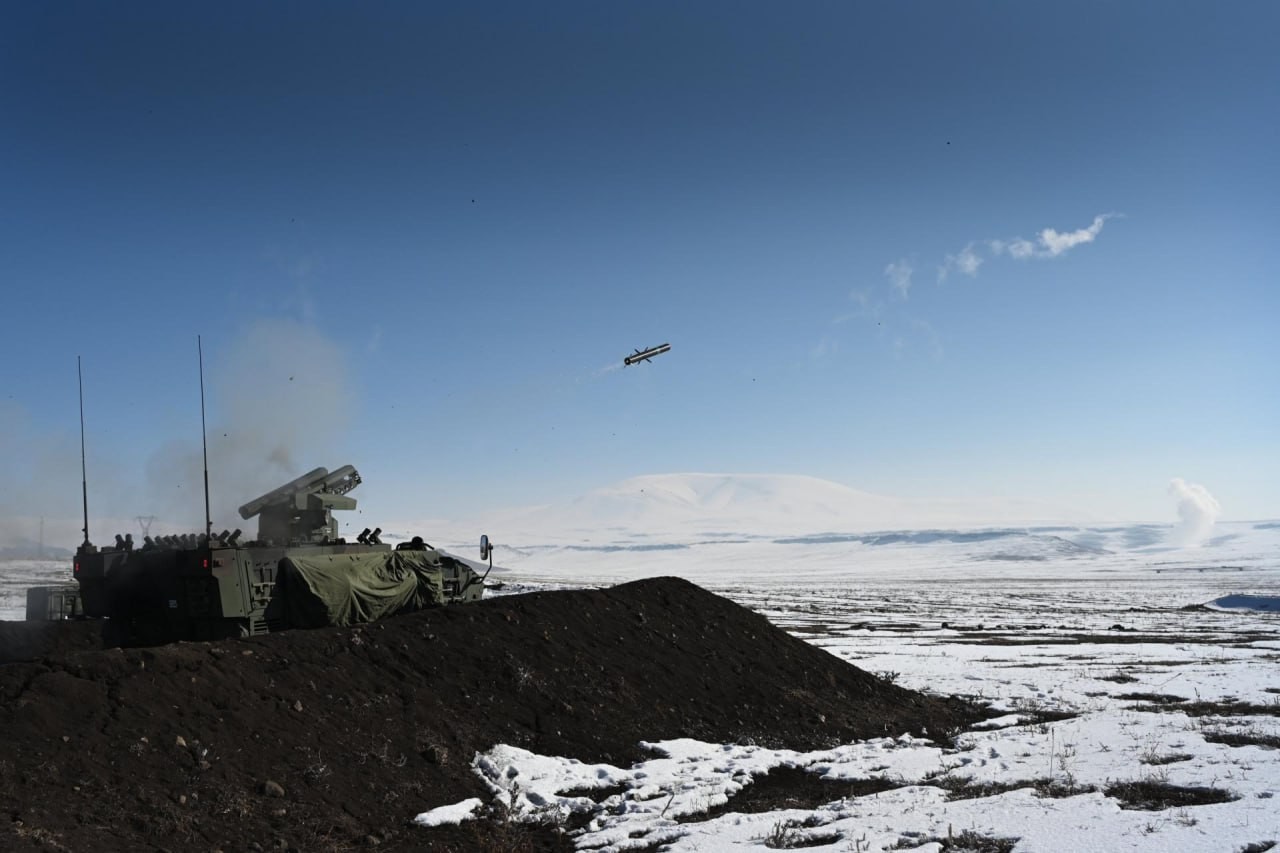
<point>300,511</point>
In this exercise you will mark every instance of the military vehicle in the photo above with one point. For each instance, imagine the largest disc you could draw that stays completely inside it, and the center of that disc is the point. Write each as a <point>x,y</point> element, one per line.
<point>297,573</point>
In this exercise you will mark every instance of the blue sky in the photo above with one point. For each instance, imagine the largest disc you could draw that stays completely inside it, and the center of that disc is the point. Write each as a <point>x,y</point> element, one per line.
<point>413,236</point>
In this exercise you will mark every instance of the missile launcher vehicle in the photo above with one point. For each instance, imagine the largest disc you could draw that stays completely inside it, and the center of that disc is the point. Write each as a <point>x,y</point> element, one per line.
<point>297,573</point>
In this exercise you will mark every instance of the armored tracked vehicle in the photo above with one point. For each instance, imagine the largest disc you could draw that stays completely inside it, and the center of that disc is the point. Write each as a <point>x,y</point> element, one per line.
<point>297,573</point>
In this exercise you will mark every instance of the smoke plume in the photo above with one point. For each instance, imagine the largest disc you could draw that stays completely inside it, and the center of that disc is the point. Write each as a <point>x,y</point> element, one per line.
<point>280,402</point>
<point>1197,511</point>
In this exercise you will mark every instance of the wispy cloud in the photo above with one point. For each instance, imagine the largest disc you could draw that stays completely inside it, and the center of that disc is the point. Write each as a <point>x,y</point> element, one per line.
<point>899,275</point>
<point>1050,242</point>
<point>1015,248</point>
<point>915,334</point>
<point>925,328</point>
<point>826,346</point>
<point>1056,243</point>
<point>903,332</point>
<point>865,306</point>
<point>965,261</point>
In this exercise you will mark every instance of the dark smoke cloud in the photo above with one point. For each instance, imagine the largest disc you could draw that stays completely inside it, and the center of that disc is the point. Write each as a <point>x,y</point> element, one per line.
<point>279,402</point>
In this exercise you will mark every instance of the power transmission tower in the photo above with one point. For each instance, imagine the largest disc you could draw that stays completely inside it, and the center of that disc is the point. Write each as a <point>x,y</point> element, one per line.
<point>144,521</point>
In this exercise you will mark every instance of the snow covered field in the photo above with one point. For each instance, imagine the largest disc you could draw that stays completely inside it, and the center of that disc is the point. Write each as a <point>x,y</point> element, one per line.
<point>17,575</point>
<point>1139,680</point>
<point>1136,717</point>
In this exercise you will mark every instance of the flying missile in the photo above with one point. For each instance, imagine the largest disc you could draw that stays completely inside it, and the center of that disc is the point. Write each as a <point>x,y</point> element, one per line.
<point>644,355</point>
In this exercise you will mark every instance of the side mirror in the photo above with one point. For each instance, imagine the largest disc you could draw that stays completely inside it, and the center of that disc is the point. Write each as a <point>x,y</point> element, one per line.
<point>485,548</point>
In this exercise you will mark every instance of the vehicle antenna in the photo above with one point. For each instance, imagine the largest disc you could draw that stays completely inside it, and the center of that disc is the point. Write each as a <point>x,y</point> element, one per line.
<point>84,476</point>
<point>204,442</point>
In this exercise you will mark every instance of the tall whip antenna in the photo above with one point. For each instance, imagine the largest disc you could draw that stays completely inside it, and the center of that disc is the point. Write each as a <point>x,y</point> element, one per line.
<point>204,441</point>
<point>84,476</point>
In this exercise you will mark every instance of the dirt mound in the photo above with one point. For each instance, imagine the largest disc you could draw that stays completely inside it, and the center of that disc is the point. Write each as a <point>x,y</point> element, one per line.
<point>335,738</point>
<point>22,641</point>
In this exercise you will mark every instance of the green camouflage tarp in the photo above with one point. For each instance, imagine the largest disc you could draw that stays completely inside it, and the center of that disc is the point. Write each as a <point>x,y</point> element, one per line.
<point>345,589</point>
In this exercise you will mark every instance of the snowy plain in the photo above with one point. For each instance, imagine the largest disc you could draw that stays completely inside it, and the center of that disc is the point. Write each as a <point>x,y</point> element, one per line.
<point>1124,658</point>
<point>1128,665</point>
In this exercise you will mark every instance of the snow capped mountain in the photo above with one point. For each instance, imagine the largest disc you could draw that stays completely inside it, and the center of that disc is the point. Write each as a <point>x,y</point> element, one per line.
<point>717,528</point>
<point>756,503</point>
<point>698,505</point>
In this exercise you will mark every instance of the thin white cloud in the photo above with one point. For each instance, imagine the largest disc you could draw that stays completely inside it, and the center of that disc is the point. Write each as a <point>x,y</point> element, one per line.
<point>824,347</point>
<point>899,275</point>
<point>1050,242</point>
<point>1055,243</point>
<point>925,328</point>
<point>966,261</point>
<point>1022,248</point>
<point>861,298</point>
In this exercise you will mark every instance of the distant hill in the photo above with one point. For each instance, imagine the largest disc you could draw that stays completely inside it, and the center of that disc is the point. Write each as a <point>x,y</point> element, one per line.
<point>762,504</point>
<point>32,551</point>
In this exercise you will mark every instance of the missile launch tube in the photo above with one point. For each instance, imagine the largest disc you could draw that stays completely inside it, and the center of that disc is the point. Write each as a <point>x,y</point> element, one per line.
<point>306,481</point>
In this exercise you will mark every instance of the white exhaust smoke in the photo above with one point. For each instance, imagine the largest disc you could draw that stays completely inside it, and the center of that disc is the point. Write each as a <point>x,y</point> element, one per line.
<point>1197,511</point>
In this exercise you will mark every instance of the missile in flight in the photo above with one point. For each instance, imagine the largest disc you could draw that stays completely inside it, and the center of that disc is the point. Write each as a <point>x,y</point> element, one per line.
<point>644,355</point>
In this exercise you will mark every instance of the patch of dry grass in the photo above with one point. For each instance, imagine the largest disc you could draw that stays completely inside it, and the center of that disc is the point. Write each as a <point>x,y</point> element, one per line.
<point>1154,795</point>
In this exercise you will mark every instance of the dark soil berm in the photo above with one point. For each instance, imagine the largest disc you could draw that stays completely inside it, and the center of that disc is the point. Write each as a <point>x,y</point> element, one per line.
<point>361,728</point>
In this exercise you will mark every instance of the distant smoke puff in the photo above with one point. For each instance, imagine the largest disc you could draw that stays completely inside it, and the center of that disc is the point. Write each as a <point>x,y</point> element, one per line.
<point>1197,509</point>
